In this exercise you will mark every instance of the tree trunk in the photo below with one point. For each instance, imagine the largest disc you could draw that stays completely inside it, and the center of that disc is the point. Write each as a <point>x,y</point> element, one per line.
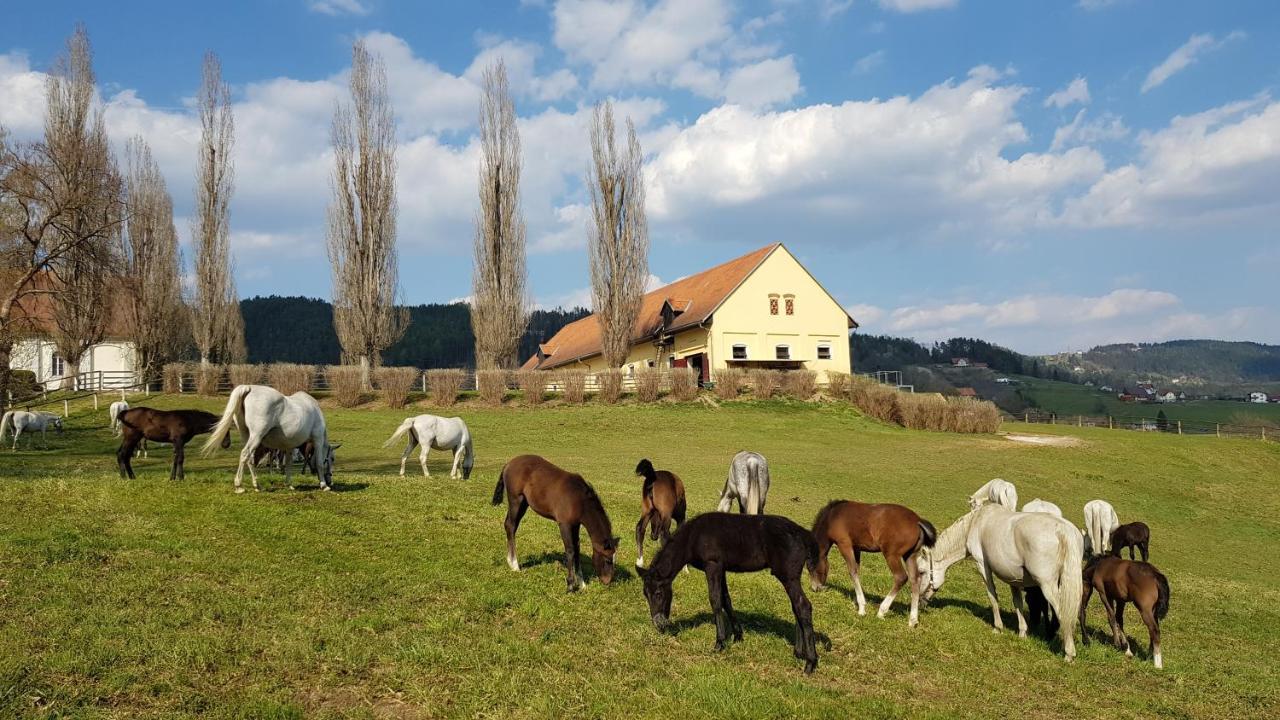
<point>5,351</point>
<point>364,374</point>
<point>70,369</point>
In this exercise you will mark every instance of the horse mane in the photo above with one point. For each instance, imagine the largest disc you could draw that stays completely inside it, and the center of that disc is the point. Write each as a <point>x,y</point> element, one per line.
<point>823,518</point>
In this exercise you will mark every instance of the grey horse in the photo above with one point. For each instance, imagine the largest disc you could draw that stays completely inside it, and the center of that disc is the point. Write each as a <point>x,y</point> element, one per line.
<point>748,484</point>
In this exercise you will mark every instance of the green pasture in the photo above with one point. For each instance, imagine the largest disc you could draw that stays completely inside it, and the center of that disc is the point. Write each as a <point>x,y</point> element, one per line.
<point>390,597</point>
<point>1069,399</point>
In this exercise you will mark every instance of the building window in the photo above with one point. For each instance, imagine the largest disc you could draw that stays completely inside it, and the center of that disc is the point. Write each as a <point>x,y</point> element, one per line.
<point>650,363</point>
<point>791,306</point>
<point>739,352</point>
<point>56,365</point>
<point>773,304</point>
<point>783,352</point>
<point>824,351</point>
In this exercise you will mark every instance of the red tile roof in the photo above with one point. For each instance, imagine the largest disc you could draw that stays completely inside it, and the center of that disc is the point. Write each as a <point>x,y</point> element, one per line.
<point>694,299</point>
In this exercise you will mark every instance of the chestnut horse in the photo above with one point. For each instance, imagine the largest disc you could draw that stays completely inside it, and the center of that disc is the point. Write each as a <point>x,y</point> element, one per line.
<point>531,482</point>
<point>716,543</point>
<point>167,426</point>
<point>1119,581</point>
<point>856,528</point>
<point>661,501</point>
<point>1131,535</point>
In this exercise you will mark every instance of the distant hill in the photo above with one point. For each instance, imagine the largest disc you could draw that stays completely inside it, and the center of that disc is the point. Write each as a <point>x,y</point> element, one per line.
<point>1215,365</point>
<point>300,329</point>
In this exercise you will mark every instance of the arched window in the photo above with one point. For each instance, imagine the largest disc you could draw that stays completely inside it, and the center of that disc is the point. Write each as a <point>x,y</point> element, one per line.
<point>791,304</point>
<point>773,304</point>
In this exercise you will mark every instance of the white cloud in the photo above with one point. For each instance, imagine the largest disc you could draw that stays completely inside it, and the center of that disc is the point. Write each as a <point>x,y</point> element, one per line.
<point>829,9</point>
<point>910,6</point>
<point>1082,131</point>
<point>1216,166</point>
<point>926,163</point>
<point>869,62</point>
<point>1188,53</point>
<point>866,314</point>
<point>1076,91</point>
<point>339,7</point>
<point>766,83</point>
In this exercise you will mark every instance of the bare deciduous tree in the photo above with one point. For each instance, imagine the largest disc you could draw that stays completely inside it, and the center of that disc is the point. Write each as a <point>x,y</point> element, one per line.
<point>215,309</point>
<point>499,305</point>
<point>83,173</point>
<point>362,217</point>
<point>618,235</point>
<point>152,263</point>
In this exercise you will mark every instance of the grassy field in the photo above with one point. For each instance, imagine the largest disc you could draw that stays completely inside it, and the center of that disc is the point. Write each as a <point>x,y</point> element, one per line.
<point>390,597</point>
<point>1068,399</point>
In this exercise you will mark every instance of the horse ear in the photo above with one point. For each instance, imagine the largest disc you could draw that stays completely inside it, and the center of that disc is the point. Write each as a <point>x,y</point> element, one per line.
<point>615,542</point>
<point>335,446</point>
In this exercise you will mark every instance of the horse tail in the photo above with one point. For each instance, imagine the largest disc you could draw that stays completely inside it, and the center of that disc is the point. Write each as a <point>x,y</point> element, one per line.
<point>753,487</point>
<point>1162,595</point>
<point>6,423</point>
<point>235,407</point>
<point>813,551</point>
<point>1070,582</point>
<point>405,427</point>
<point>500,487</point>
<point>928,534</point>
<point>822,520</point>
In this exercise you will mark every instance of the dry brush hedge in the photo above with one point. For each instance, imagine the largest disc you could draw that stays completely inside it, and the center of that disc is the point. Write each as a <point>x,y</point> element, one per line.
<point>346,384</point>
<point>172,377</point>
<point>610,384</point>
<point>573,384</point>
<point>684,384</point>
<point>290,378</point>
<point>396,383</point>
<point>491,385</point>
<point>799,384</point>
<point>648,384</point>
<point>728,382</point>
<point>207,379</point>
<point>245,374</point>
<point>445,385</point>
<point>533,385</point>
<point>764,383</point>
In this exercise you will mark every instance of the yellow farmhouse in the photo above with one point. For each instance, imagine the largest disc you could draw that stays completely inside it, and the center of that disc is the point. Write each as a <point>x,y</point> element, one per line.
<point>763,309</point>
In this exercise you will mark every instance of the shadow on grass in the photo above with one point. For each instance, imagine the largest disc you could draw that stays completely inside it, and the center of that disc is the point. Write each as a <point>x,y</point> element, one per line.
<point>784,628</point>
<point>586,570</point>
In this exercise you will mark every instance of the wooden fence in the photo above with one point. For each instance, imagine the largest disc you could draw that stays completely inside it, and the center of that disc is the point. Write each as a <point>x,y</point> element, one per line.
<point>1151,424</point>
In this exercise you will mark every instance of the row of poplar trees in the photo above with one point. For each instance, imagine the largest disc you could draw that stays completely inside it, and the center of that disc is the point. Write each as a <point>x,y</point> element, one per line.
<point>100,241</point>
<point>88,246</point>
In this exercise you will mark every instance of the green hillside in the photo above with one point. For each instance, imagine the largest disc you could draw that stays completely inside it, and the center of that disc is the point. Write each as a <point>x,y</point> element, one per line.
<point>390,597</point>
<point>1215,365</point>
<point>1067,399</point>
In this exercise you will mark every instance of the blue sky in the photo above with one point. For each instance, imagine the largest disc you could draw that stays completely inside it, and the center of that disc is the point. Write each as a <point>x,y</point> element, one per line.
<point>1049,175</point>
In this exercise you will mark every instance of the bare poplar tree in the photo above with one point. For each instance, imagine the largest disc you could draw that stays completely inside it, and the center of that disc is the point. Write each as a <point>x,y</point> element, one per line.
<point>499,306</point>
<point>362,217</point>
<point>83,173</point>
<point>214,305</point>
<point>618,234</point>
<point>152,263</point>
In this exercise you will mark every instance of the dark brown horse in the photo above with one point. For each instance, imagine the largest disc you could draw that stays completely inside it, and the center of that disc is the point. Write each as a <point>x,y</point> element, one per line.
<point>661,501</point>
<point>530,481</point>
<point>1119,581</point>
<point>1040,615</point>
<point>176,427</point>
<point>855,528</point>
<point>1131,535</point>
<point>278,458</point>
<point>716,543</point>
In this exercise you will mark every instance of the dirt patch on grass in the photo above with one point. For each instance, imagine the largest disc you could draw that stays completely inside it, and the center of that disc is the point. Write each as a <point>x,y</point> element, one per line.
<point>1049,440</point>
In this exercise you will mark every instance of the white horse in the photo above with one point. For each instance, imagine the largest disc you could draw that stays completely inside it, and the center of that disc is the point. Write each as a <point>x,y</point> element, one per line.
<point>20,421</point>
<point>747,484</point>
<point>1001,492</point>
<point>266,417</point>
<point>113,415</point>
<point>439,433</point>
<point>1099,521</point>
<point>1043,506</point>
<point>1023,550</point>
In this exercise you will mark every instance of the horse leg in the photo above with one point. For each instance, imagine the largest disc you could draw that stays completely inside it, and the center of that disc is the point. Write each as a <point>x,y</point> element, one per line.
<point>715,593</point>
<point>124,455</point>
<point>1153,627</point>
<point>988,577</point>
<point>175,473</point>
<point>1018,611</point>
<point>726,502</point>
<point>900,578</point>
<point>914,618</point>
<point>1122,638</point>
<point>1084,603</point>
<point>246,459</point>
<point>805,645</point>
<point>288,468</point>
<point>644,520</point>
<point>455,474</point>
<point>1143,548</point>
<point>413,442</point>
<point>569,535</point>
<point>422,456</point>
<point>728,608</point>
<point>853,558</point>
<point>515,510</point>
<point>1109,606</point>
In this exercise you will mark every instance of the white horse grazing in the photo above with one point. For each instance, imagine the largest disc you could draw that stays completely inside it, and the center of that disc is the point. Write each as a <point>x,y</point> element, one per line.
<point>439,433</point>
<point>113,415</point>
<point>1099,521</point>
<point>20,421</point>
<point>747,484</point>
<point>1023,550</point>
<point>1001,492</point>
<point>266,417</point>
<point>1043,506</point>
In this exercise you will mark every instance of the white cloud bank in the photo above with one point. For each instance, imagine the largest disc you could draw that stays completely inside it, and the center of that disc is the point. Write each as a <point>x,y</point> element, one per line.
<point>1187,54</point>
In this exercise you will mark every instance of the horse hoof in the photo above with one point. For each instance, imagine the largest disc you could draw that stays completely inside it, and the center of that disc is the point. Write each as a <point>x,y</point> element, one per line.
<point>913,623</point>
<point>640,561</point>
<point>1159,663</point>
<point>810,666</point>
<point>239,491</point>
<point>862,612</point>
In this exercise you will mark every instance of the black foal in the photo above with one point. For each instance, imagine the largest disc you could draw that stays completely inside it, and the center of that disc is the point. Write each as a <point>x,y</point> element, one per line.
<point>716,543</point>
